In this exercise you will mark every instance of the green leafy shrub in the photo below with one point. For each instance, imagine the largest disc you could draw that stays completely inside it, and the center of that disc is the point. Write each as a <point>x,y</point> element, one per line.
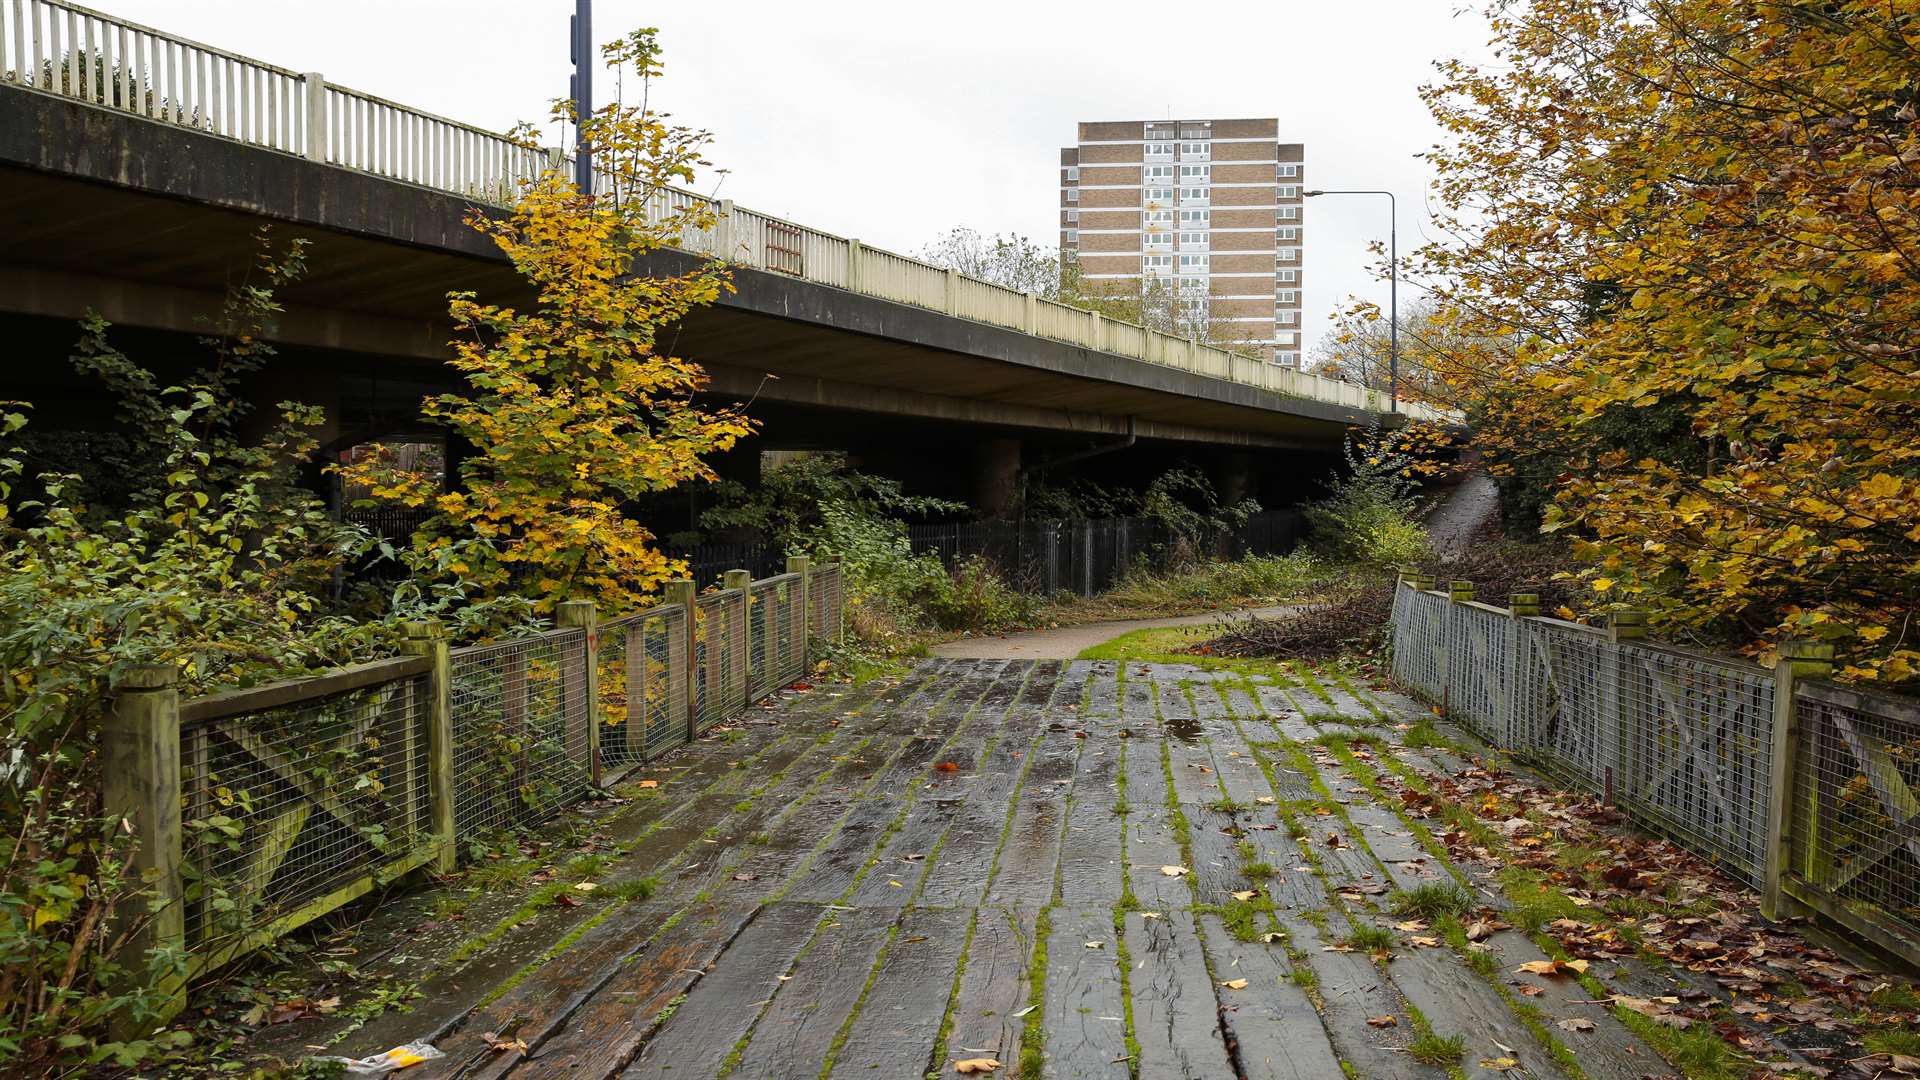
<point>1367,517</point>
<point>975,598</point>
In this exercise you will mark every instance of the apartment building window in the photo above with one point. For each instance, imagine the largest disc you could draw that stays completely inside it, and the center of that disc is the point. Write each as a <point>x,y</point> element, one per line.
<point>1289,191</point>
<point>1073,237</point>
<point>1288,213</point>
<point>1193,264</point>
<point>1196,174</point>
<point>1286,232</point>
<point>1287,359</point>
<point>1287,297</point>
<point>1286,339</point>
<point>1156,218</point>
<point>1152,239</point>
<point>1193,240</point>
<point>1193,285</point>
<point>1286,316</point>
<point>1286,276</point>
<point>1073,172</point>
<point>1158,174</point>
<point>1195,195</point>
<point>1157,150</point>
<point>1286,254</point>
<point>1196,151</point>
<point>1287,172</point>
<point>1191,217</point>
<point>1073,217</point>
<point>1156,264</point>
<point>1196,131</point>
<point>1157,194</point>
<point>1073,194</point>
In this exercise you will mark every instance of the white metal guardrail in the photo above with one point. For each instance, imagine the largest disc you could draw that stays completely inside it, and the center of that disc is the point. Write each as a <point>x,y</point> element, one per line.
<point>66,49</point>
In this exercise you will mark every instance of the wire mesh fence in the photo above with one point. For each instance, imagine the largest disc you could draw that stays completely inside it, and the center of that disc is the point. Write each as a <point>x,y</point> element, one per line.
<point>827,599</point>
<point>1855,817</point>
<point>1684,742</point>
<point>284,805</point>
<point>720,662</point>
<point>298,797</point>
<point>520,729</point>
<point>643,684</point>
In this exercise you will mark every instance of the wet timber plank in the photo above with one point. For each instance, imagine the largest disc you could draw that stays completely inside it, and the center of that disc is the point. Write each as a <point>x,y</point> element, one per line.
<point>899,1022</point>
<point>1029,859</point>
<point>537,1005</point>
<point>1176,1019</point>
<point>1456,1001</point>
<point>1090,871</point>
<point>607,1030</point>
<point>1275,1027</point>
<point>809,1008</point>
<point>1353,990</point>
<point>907,856</point>
<point>830,872</point>
<point>993,987</point>
<point>1150,839</point>
<point>723,1005</point>
<point>1217,866</point>
<point>1085,1020</point>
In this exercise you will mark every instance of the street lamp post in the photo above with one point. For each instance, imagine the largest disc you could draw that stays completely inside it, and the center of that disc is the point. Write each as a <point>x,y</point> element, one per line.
<point>582,91</point>
<point>1393,292</point>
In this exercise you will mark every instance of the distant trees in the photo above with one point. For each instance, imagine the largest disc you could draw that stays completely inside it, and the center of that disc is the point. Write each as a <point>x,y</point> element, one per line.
<point>1014,262</point>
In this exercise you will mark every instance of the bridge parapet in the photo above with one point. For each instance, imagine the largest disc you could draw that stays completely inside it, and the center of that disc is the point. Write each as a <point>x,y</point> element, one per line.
<point>61,48</point>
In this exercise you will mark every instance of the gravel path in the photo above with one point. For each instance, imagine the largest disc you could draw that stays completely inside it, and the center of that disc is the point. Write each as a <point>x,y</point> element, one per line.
<point>1067,642</point>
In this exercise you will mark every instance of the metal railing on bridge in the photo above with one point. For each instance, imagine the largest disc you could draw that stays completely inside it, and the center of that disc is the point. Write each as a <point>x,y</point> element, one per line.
<point>66,49</point>
<point>1800,788</point>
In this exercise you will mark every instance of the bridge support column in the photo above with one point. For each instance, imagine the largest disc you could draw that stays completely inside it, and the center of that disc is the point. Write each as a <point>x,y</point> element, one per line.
<point>1233,476</point>
<point>996,477</point>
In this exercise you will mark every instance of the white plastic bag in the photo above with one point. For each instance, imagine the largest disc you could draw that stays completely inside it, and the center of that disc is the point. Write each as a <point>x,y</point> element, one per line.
<point>399,1057</point>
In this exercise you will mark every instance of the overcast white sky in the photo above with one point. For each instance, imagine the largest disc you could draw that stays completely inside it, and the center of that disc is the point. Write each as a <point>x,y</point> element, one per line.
<point>896,121</point>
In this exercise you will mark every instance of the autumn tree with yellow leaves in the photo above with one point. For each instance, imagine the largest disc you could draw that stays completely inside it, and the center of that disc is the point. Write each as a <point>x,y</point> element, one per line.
<point>1684,248</point>
<point>571,409</point>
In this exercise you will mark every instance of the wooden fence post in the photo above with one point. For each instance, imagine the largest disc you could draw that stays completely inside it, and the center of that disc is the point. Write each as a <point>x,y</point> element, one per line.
<point>743,663</point>
<point>680,655</point>
<point>582,688</point>
<point>429,639</point>
<point>1624,625</point>
<point>802,565</point>
<point>1800,660</point>
<point>1458,592</point>
<point>1520,607</point>
<point>140,774</point>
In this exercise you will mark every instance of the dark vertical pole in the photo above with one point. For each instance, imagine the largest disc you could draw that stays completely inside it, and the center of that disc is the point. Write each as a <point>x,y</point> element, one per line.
<point>1393,302</point>
<point>582,91</point>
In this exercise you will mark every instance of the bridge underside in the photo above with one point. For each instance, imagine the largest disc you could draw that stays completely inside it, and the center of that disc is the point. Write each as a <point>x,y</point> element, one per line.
<point>147,223</point>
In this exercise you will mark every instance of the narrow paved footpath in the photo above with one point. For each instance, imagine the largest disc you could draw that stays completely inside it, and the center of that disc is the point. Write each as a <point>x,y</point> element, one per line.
<point>1074,869</point>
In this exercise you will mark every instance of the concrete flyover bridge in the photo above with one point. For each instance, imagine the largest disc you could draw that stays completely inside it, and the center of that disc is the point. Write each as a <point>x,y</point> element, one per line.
<point>136,165</point>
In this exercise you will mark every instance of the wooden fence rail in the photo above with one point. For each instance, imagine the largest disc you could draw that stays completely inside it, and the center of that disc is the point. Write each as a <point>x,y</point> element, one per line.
<point>257,810</point>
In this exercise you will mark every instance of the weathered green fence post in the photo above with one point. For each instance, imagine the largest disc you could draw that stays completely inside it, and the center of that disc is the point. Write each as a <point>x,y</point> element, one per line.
<point>582,688</point>
<point>802,565</point>
<point>429,639</point>
<point>1800,660</point>
<point>680,654</point>
<point>743,662</point>
<point>140,774</point>
<point>1460,591</point>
